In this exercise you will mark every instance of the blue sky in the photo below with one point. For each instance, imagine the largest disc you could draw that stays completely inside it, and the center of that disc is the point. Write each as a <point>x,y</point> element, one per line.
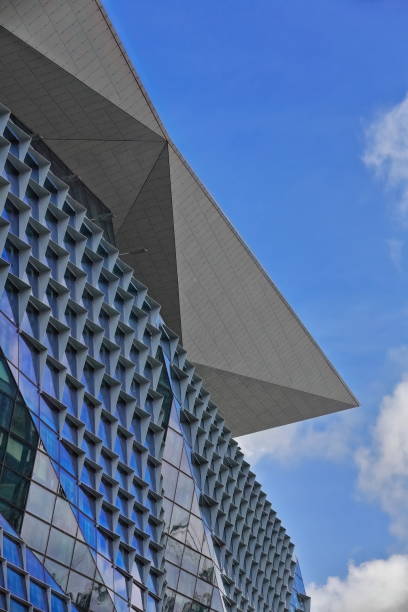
<point>290,112</point>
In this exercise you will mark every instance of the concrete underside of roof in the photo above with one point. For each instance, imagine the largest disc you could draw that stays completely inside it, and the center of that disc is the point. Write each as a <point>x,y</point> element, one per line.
<point>262,366</point>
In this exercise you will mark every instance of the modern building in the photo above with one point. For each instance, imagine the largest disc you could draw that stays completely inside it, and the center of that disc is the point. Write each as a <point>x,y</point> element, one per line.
<point>139,336</point>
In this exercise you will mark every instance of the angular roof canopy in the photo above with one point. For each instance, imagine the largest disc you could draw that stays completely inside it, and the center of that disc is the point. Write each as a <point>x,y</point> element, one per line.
<point>65,74</point>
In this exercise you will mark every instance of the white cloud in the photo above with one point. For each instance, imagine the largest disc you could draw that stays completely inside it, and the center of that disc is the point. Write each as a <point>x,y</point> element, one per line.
<point>395,250</point>
<point>387,150</point>
<point>398,356</point>
<point>374,586</point>
<point>328,438</point>
<point>383,467</point>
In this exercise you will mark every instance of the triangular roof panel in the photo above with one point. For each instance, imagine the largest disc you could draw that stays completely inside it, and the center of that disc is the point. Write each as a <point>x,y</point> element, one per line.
<point>66,75</point>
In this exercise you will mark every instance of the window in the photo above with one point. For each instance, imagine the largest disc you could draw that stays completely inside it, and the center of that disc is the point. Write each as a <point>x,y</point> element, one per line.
<point>16,583</point>
<point>12,551</point>
<point>38,596</point>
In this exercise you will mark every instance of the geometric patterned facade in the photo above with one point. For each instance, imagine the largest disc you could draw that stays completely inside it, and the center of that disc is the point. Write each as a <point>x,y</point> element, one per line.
<point>121,487</point>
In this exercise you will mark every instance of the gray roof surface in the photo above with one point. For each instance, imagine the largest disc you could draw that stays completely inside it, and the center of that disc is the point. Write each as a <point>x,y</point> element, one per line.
<point>65,74</point>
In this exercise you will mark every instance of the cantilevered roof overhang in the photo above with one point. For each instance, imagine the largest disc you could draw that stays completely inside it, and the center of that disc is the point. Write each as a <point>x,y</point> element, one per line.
<point>64,73</point>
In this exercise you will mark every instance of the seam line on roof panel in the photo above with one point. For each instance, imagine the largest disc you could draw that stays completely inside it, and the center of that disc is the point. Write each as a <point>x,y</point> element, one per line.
<point>159,137</point>
<point>258,264</point>
<point>141,187</point>
<point>131,68</point>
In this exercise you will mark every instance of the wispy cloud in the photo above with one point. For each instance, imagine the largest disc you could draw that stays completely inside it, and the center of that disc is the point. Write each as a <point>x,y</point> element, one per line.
<point>386,151</point>
<point>328,438</point>
<point>379,585</point>
<point>383,466</point>
<point>395,250</point>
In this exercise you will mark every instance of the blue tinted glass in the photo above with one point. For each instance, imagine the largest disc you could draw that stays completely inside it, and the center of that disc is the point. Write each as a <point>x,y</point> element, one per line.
<point>88,529</point>
<point>150,475</point>
<point>38,596</point>
<point>151,604</point>
<point>122,501</point>
<point>105,518</point>
<point>68,460</point>
<point>68,397</point>
<point>57,604</point>
<point>104,545</point>
<point>8,304</point>
<point>50,441</point>
<point>121,559</point>
<point>48,414</point>
<point>88,476</point>
<point>86,503</point>
<point>121,605</point>
<point>120,584</point>
<point>15,606</point>
<point>69,485</point>
<point>87,415</point>
<point>27,358</point>
<point>47,383</point>
<point>16,583</point>
<point>34,567</point>
<point>30,393</point>
<point>11,551</point>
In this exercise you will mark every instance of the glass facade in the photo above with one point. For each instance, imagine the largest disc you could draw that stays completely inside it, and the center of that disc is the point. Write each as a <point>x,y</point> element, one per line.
<point>121,487</point>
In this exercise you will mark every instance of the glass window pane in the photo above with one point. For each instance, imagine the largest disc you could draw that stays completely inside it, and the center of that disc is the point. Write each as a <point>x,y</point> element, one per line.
<point>174,551</point>
<point>173,447</point>
<point>186,583</point>
<point>8,333</point>
<point>28,358</point>
<point>6,407</point>
<point>50,441</point>
<point>172,574</point>
<point>44,473</point>
<point>70,487</point>
<point>169,479</point>
<point>19,456</point>
<point>191,559</point>
<point>184,490</point>
<point>101,600</point>
<point>34,566</point>
<point>38,596</point>
<point>137,599</point>
<point>64,518</point>
<point>82,560</point>
<point>80,590</point>
<point>179,523</point>
<point>106,571</point>
<point>13,488</point>
<point>60,547</point>
<point>58,604</point>
<point>12,551</point>
<point>16,606</point>
<point>13,517</point>
<point>203,592</point>
<point>120,584</point>
<point>22,424</point>
<point>59,573</point>
<point>195,533</point>
<point>16,583</point>
<point>184,465</point>
<point>40,502</point>
<point>88,529</point>
<point>86,503</point>
<point>35,533</point>
<point>206,570</point>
